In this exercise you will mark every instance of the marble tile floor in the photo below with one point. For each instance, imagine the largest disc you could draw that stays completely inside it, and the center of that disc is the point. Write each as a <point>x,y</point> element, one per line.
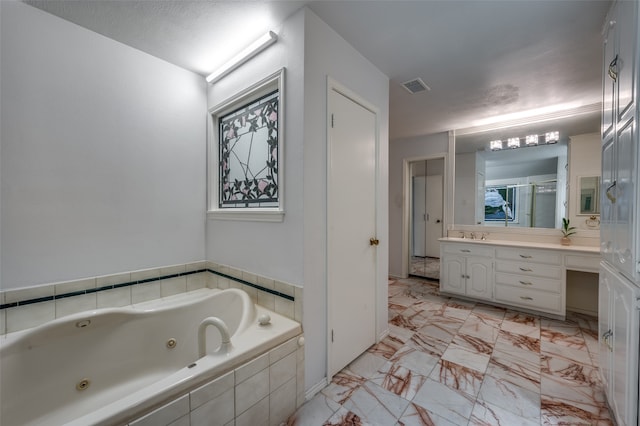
<point>452,362</point>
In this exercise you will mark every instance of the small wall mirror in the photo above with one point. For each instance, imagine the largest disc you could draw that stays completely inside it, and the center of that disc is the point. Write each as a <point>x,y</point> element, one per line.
<point>589,195</point>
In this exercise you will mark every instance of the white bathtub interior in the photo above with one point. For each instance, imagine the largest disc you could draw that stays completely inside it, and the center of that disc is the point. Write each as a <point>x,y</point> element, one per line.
<point>112,364</point>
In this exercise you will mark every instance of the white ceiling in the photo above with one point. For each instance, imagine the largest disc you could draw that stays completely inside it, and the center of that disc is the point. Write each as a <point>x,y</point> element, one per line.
<point>483,59</point>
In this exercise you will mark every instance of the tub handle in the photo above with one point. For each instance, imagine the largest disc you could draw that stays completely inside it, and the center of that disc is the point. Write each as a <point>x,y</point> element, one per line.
<point>202,335</point>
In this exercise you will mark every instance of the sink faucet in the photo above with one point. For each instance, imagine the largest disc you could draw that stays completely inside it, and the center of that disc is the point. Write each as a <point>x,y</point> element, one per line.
<point>202,337</point>
<point>484,237</point>
<point>473,236</point>
<point>462,235</point>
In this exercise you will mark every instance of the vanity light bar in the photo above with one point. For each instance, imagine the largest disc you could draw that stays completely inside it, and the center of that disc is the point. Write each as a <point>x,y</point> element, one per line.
<point>495,145</point>
<point>529,140</point>
<point>551,137</point>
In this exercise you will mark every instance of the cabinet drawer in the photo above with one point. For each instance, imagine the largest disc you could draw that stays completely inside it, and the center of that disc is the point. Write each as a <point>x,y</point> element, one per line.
<point>530,269</point>
<point>536,256</point>
<point>539,300</point>
<point>468,250</point>
<point>582,263</point>
<point>531,283</point>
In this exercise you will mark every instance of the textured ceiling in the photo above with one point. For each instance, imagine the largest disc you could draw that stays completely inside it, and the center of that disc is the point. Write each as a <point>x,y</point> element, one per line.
<point>482,59</point>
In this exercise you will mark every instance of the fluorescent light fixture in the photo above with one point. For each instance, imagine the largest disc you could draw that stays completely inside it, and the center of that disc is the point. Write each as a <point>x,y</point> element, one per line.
<point>247,53</point>
<point>495,145</point>
<point>531,140</point>
<point>551,137</point>
<point>513,143</point>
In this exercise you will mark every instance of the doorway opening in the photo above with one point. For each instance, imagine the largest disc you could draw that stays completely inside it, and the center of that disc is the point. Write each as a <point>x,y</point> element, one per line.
<point>426,216</point>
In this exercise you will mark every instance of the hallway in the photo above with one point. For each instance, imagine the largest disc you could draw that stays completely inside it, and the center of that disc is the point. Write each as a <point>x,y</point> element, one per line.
<point>453,362</point>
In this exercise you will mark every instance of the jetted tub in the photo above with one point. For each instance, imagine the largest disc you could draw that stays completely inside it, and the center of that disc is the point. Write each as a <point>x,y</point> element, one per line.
<point>110,366</point>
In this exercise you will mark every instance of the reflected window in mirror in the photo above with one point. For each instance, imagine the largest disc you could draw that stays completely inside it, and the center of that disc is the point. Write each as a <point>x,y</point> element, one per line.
<point>500,203</point>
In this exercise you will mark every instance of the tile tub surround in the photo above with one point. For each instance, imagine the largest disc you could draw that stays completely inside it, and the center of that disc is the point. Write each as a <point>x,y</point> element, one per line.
<point>452,362</point>
<point>264,391</point>
<point>29,307</point>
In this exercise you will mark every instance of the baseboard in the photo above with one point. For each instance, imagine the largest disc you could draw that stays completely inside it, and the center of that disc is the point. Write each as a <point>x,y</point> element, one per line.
<point>313,390</point>
<point>582,311</point>
<point>382,335</point>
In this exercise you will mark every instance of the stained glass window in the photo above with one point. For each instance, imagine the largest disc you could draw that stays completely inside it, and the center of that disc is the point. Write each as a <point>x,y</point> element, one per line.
<point>248,154</point>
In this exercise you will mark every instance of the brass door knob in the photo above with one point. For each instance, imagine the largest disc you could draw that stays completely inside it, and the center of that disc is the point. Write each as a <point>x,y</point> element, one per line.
<point>373,241</point>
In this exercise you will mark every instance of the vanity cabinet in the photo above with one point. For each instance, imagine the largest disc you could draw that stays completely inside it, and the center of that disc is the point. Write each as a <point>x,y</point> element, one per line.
<point>509,273</point>
<point>467,270</point>
<point>531,279</point>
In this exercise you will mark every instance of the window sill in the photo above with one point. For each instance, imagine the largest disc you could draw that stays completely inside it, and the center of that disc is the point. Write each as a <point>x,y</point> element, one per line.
<point>252,215</point>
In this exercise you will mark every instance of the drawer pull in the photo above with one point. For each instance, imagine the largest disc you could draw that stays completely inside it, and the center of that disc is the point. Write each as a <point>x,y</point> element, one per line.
<point>526,298</point>
<point>525,269</point>
<point>465,251</point>
<point>525,256</point>
<point>526,283</point>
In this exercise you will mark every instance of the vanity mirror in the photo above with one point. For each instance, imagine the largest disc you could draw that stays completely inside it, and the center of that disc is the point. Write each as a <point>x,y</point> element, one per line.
<point>524,180</point>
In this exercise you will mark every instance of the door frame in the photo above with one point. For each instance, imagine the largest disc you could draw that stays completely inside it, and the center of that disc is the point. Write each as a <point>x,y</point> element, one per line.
<point>334,85</point>
<point>407,202</point>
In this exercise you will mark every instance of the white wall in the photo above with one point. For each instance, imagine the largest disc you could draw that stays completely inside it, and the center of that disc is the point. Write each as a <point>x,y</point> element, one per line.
<point>294,250</point>
<point>584,160</point>
<point>269,249</point>
<point>399,150</point>
<point>465,189</point>
<point>329,55</point>
<point>103,154</point>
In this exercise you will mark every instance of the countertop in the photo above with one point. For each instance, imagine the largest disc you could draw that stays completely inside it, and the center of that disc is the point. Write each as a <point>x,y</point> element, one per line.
<point>524,244</point>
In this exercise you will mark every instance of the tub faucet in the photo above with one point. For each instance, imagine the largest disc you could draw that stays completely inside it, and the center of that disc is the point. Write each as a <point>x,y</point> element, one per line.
<point>202,337</point>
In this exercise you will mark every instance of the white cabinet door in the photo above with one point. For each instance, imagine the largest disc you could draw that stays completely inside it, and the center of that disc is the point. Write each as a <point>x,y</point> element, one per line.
<point>608,85</point>
<point>607,196</point>
<point>624,206</point>
<point>468,275</point>
<point>619,328</point>
<point>624,395</point>
<point>479,277</point>
<point>626,29</point>
<point>453,274</point>
<point>605,330</point>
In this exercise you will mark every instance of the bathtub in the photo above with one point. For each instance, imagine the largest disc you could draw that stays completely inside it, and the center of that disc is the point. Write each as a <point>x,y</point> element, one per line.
<point>111,366</point>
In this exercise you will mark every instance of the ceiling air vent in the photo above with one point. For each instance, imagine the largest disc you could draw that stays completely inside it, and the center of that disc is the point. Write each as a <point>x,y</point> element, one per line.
<point>415,86</point>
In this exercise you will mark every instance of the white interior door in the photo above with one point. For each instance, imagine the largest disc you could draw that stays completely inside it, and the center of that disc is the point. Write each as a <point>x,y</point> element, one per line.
<point>433,215</point>
<point>419,216</point>
<point>351,258</point>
